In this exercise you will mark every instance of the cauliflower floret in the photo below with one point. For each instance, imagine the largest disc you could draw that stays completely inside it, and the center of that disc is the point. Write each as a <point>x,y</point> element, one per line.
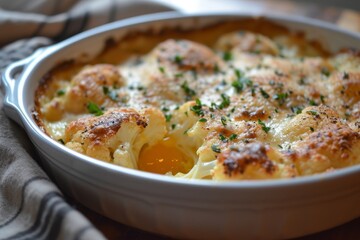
<point>117,136</point>
<point>93,84</point>
<point>174,68</point>
<point>247,42</point>
<point>322,141</point>
<point>251,161</point>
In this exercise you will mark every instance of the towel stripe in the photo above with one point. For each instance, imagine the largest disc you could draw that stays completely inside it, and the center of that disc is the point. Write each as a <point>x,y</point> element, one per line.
<point>27,183</point>
<point>45,207</point>
<point>62,34</point>
<point>84,21</point>
<point>48,213</point>
<point>39,28</point>
<point>113,11</point>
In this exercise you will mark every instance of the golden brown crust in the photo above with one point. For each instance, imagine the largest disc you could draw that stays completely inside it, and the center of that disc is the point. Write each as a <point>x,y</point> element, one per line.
<point>88,86</point>
<point>105,126</point>
<point>236,159</point>
<point>187,55</point>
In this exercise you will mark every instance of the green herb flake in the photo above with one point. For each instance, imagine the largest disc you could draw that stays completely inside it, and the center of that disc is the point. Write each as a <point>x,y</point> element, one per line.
<point>178,59</point>
<point>216,68</point>
<point>322,99</point>
<point>237,85</point>
<point>222,138</point>
<point>197,109</point>
<point>281,97</point>
<point>111,94</point>
<point>325,72</point>
<point>61,141</point>
<point>345,76</point>
<point>227,56</point>
<point>215,148</point>
<point>312,102</point>
<point>202,120</point>
<point>241,81</point>
<point>162,69</point>
<point>264,94</point>
<point>302,81</point>
<point>61,92</point>
<point>296,109</point>
<point>225,101</point>
<point>188,91</point>
<point>168,117</point>
<point>263,126</point>
<point>173,126</point>
<point>179,75</point>
<point>94,109</point>
<point>280,146</point>
<point>312,129</point>
<point>223,120</point>
<point>233,137</point>
<point>312,112</point>
<point>105,90</point>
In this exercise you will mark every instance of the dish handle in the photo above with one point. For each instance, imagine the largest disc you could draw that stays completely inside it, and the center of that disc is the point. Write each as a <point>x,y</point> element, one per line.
<point>9,85</point>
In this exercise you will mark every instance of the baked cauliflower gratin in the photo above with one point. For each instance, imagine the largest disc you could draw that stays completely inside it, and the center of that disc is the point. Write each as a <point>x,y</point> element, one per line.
<point>219,103</point>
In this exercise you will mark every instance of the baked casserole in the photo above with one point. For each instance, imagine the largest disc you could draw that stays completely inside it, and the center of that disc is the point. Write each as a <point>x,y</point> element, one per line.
<point>224,103</point>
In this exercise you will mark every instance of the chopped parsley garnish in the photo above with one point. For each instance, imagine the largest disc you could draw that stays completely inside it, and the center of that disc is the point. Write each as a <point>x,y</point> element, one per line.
<point>225,101</point>
<point>223,120</point>
<point>202,120</point>
<point>312,112</point>
<point>233,137</point>
<point>197,109</point>
<point>215,148</point>
<point>322,99</point>
<point>241,81</point>
<point>111,94</point>
<point>165,109</point>
<point>61,141</point>
<point>296,109</point>
<point>227,56</point>
<point>179,75</point>
<point>61,92</point>
<point>178,59</point>
<point>216,68</point>
<point>264,94</point>
<point>263,126</point>
<point>345,75</point>
<point>281,97</point>
<point>188,91</point>
<point>222,138</point>
<point>312,102</point>
<point>280,146</point>
<point>168,117</point>
<point>173,126</point>
<point>94,109</point>
<point>302,81</point>
<point>237,85</point>
<point>311,129</point>
<point>325,72</point>
<point>105,90</point>
<point>162,69</point>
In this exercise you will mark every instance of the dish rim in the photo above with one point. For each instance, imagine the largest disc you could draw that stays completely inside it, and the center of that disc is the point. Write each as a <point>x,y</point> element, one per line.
<point>33,129</point>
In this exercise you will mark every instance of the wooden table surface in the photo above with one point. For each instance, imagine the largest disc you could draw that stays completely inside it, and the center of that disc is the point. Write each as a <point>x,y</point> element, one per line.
<point>347,19</point>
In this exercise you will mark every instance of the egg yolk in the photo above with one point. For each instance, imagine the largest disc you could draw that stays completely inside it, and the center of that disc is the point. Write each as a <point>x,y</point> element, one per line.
<point>164,157</point>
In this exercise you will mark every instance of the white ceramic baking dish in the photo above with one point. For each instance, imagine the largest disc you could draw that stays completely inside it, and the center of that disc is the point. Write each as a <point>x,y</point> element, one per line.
<point>196,209</point>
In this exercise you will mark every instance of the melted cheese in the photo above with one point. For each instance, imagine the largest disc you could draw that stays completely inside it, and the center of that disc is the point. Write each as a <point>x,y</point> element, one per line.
<point>246,106</point>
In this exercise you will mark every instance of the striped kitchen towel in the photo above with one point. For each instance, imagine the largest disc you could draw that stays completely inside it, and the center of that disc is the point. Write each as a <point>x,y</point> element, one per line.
<point>31,206</point>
